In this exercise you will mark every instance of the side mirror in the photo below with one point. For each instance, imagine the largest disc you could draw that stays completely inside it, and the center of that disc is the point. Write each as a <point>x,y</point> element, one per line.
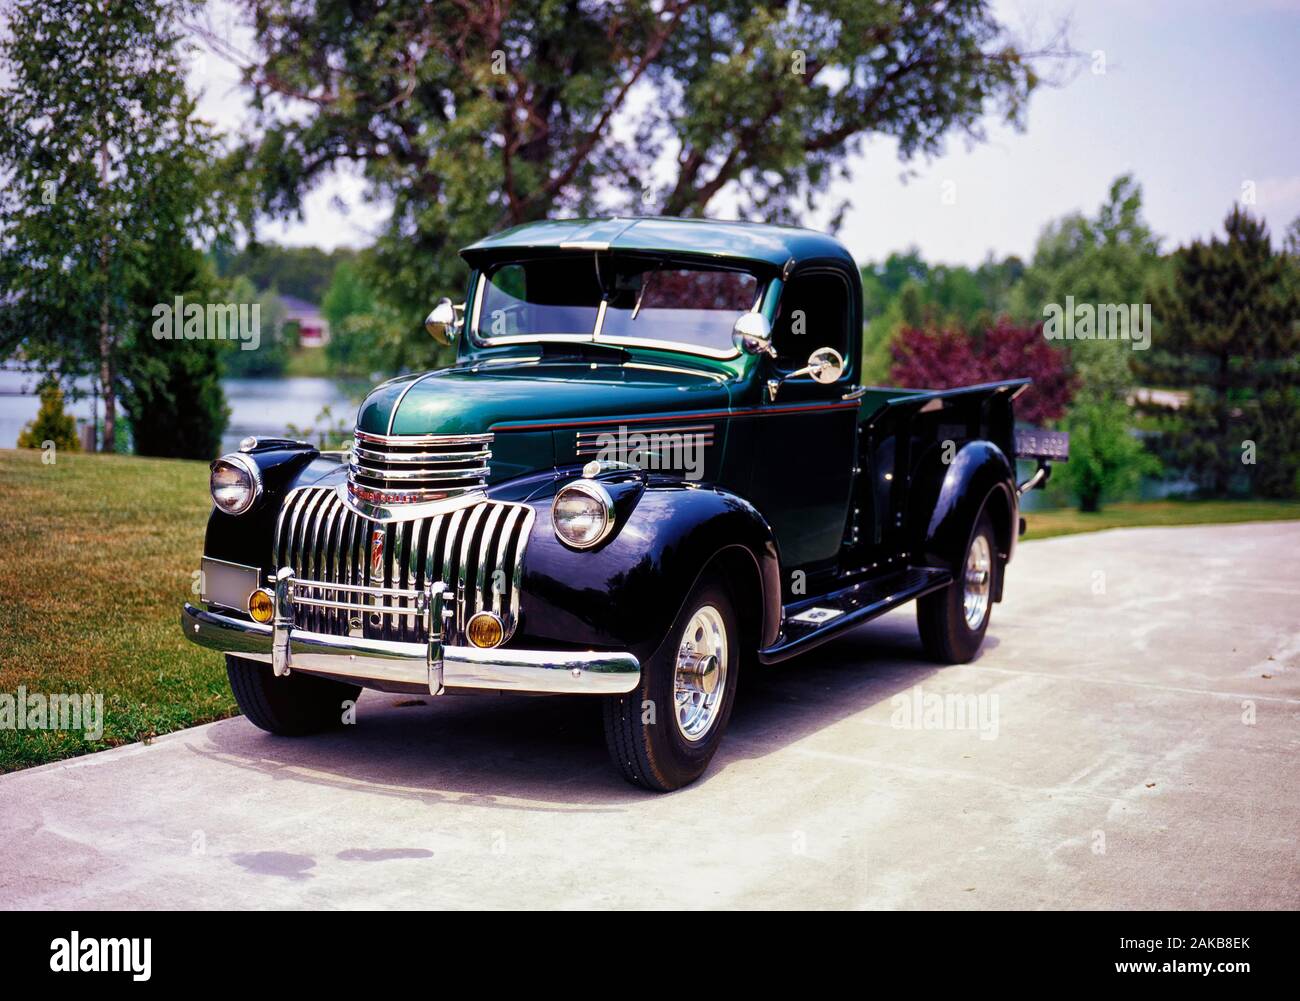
<point>752,334</point>
<point>825,365</point>
<point>443,323</point>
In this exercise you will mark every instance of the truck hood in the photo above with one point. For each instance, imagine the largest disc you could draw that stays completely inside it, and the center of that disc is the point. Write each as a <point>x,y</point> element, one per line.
<point>478,398</point>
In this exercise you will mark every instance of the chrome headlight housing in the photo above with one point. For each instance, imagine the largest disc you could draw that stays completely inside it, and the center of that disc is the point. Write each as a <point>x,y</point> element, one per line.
<point>582,514</point>
<point>235,483</point>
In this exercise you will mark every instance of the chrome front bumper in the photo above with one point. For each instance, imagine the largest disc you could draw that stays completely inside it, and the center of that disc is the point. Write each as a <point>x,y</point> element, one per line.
<point>440,667</point>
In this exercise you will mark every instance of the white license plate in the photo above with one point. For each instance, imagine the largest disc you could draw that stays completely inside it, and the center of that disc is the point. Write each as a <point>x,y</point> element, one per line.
<point>229,584</point>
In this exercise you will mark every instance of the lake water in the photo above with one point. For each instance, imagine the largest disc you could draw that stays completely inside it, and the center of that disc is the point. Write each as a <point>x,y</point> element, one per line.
<point>257,406</point>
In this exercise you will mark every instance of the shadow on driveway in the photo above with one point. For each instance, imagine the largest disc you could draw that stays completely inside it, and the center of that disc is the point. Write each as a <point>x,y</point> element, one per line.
<point>518,752</point>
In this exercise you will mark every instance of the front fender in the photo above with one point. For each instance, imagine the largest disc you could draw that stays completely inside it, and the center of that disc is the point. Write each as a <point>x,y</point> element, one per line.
<point>248,538</point>
<point>626,593</point>
<point>948,498</point>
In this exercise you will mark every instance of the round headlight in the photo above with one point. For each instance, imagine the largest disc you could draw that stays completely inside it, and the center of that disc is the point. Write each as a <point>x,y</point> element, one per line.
<point>583,514</point>
<point>236,483</point>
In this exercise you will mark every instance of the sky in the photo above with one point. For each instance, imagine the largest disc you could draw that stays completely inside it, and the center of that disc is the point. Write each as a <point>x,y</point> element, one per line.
<point>1199,99</point>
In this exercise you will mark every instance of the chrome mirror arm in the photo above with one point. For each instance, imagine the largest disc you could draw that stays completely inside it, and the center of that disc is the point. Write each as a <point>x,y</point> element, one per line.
<point>825,365</point>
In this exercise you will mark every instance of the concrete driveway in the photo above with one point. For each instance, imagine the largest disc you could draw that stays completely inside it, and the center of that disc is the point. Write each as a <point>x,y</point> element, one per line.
<point>1130,737</point>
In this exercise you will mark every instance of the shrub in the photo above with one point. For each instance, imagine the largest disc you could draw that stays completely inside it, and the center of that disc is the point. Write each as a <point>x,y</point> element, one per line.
<point>50,422</point>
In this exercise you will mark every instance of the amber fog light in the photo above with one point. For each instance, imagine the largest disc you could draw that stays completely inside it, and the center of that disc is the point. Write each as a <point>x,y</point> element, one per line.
<point>485,630</point>
<point>261,606</point>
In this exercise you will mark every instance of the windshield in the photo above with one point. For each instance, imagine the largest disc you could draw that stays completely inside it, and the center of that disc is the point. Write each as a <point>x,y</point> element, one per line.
<point>645,299</point>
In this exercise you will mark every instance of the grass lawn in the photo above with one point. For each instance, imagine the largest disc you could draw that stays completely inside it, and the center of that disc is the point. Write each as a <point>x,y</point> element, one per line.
<point>97,553</point>
<point>96,556</point>
<point>1140,514</point>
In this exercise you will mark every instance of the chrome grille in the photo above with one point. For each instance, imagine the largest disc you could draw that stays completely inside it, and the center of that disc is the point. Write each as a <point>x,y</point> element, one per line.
<point>415,468</point>
<point>356,576</point>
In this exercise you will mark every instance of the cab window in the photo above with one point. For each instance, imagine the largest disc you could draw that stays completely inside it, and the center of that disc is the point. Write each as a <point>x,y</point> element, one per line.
<point>813,313</point>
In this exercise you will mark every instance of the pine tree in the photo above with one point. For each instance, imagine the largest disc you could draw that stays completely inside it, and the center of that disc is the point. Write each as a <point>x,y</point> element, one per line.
<point>1227,333</point>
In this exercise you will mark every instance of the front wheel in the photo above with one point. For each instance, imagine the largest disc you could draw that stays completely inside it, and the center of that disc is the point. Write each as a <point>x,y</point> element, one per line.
<point>663,735</point>
<point>292,706</point>
<point>952,622</point>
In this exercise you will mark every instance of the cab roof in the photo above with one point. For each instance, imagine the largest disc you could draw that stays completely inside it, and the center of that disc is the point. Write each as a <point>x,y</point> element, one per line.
<point>746,241</point>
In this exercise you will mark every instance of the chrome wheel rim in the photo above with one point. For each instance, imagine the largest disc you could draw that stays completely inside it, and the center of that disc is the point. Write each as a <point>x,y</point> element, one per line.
<point>976,586</point>
<point>700,679</point>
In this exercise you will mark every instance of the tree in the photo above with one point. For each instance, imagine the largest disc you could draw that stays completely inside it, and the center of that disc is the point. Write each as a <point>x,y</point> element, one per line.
<point>473,117</point>
<point>106,183</point>
<point>348,296</point>
<point>1230,339</point>
<point>304,272</point>
<point>271,356</point>
<point>1106,460</point>
<point>1112,258</point>
<point>50,422</point>
<point>945,359</point>
<point>171,389</point>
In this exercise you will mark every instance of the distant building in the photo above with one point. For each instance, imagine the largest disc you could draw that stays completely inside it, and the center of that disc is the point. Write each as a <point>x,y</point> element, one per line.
<point>313,328</point>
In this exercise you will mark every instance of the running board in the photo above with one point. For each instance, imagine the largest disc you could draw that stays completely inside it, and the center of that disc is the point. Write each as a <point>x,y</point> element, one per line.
<point>810,623</point>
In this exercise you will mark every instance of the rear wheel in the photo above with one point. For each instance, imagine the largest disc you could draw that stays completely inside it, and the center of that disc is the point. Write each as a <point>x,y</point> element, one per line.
<point>663,735</point>
<point>292,706</point>
<point>952,622</point>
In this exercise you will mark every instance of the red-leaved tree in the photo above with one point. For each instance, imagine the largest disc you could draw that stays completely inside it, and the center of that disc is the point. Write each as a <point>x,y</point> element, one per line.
<point>945,359</point>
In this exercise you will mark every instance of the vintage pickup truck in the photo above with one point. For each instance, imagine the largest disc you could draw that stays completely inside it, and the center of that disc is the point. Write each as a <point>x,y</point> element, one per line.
<point>650,470</point>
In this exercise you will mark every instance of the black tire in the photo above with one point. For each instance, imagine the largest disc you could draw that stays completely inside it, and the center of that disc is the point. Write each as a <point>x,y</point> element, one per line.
<point>946,636</point>
<point>646,743</point>
<point>292,706</point>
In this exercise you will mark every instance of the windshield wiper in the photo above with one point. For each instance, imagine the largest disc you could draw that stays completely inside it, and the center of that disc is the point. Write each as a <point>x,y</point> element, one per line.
<point>645,283</point>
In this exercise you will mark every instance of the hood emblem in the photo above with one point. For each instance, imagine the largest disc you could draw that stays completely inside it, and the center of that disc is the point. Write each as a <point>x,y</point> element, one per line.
<point>376,555</point>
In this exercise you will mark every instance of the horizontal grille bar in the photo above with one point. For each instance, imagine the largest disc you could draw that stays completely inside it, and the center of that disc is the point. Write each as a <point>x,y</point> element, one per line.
<point>408,469</point>
<point>399,440</point>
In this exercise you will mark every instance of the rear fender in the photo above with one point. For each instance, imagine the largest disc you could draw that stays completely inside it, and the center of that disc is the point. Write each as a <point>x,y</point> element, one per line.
<point>948,499</point>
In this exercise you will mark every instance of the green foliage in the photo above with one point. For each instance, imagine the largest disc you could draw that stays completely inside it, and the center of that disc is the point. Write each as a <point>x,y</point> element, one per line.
<point>1230,336</point>
<point>171,389</point>
<point>304,272</point>
<point>348,296</point>
<point>326,431</point>
<point>107,187</point>
<point>1106,460</point>
<point>470,118</point>
<point>904,291</point>
<point>271,356</point>
<point>1113,258</point>
<point>50,422</point>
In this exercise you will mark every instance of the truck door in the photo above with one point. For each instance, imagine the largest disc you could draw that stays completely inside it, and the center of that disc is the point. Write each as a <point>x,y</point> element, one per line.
<point>805,438</point>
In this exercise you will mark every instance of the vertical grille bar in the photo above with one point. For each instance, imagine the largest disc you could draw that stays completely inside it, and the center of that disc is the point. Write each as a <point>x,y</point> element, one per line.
<point>464,578</point>
<point>482,594</point>
<point>500,568</point>
<point>516,585</point>
<point>476,550</point>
